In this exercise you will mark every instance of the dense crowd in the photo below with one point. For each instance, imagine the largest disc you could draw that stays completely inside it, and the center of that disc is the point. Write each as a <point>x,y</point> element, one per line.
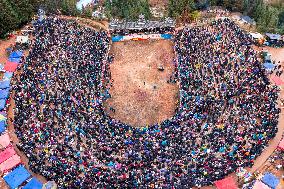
<point>227,111</point>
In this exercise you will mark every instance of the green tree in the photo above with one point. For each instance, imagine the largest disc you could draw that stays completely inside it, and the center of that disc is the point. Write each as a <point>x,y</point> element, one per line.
<point>68,7</point>
<point>87,12</point>
<point>128,9</point>
<point>9,19</point>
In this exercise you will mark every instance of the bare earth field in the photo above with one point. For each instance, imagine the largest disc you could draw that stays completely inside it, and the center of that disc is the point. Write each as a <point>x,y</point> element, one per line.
<point>140,92</point>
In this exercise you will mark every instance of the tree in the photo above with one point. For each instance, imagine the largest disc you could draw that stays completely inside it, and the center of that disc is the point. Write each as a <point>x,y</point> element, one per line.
<point>68,7</point>
<point>128,9</point>
<point>9,18</point>
<point>87,12</point>
<point>194,15</point>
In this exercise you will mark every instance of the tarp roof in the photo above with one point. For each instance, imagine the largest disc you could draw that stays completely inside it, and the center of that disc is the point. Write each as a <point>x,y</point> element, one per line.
<point>2,104</point>
<point>7,153</point>
<point>8,75</point>
<point>270,180</point>
<point>22,39</point>
<point>226,183</point>
<point>16,54</point>
<point>4,140</point>
<point>4,93</point>
<point>15,60</point>
<point>259,185</point>
<point>33,184</point>
<point>281,144</point>
<point>269,66</point>
<point>273,36</point>
<point>247,19</point>
<point>2,116</point>
<point>256,35</point>
<point>4,84</point>
<point>277,80</point>
<point>15,178</point>
<point>10,163</point>
<point>2,126</point>
<point>11,66</point>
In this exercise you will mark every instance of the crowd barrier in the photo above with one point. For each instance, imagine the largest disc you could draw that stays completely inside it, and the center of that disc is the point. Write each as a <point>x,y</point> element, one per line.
<point>140,37</point>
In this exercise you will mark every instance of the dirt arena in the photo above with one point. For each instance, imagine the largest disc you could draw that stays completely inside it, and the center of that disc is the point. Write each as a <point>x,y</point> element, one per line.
<point>140,93</point>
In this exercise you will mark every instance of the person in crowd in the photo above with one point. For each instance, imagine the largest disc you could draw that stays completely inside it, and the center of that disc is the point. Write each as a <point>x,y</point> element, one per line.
<point>227,111</point>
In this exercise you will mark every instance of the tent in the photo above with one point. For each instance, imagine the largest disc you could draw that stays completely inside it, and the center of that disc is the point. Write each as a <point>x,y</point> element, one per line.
<point>259,185</point>
<point>4,93</point>
<point>2,116</point>
<point>11,66</point>
<point>248,20</point>
<point>281,145</point>
<point>17,60</point>
<point>277,80</point>
<point>16,54</point>
<point>4,84</point>
<point>7,153</point>
<point>50,185</point>
<point>8,75</point>
<point>2,126</point>
<point>22,39</point>
<point>270,180</point>
<point>226,183</point>
<point>256,35</point>
<point>33,184</point>
<point>4,140</point>
<point>10,163</point>
<point>272,36</point>
<point>2,104</point>
<point>269,66</point>
<point>15,178</point>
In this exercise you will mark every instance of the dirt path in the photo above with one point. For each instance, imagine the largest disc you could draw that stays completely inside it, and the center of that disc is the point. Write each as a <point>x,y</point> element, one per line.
<point>277,55</point>
<point>88,22</point>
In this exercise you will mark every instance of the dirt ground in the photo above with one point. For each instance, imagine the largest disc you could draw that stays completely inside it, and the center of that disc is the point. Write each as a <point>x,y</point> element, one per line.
<point>140,92</point>
<point>158,3</point>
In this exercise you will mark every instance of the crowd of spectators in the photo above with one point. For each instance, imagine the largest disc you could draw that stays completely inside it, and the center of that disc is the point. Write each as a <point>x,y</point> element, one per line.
<point>227,112</point>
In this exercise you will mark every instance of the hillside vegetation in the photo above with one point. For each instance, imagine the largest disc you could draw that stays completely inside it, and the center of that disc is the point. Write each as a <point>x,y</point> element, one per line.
<point>269,15</point>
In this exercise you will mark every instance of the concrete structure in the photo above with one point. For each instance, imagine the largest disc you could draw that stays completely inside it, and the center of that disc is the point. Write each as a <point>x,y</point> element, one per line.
<point>140,24</point>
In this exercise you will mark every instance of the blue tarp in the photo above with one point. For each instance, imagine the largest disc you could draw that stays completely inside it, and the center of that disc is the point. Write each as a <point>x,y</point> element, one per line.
<point>166,36</point>
<point>4,84</point>
<point>8,75</point>
<point>15,60</point>
<point>16,54</point>
<point>269,66</point>
<point>4,93</point>
<point>117,38</point>
<point>2,126</point>
<point>33,184</point>
<point>2,103</point>
<point>270,180</point>
<point>15,178</point>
